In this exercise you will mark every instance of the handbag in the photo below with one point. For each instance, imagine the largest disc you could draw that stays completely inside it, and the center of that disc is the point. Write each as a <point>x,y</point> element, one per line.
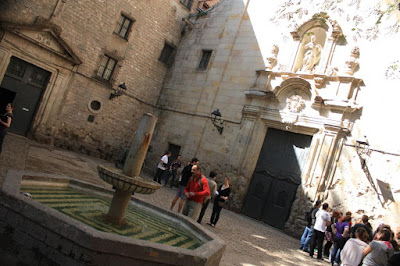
<point>221,203</point>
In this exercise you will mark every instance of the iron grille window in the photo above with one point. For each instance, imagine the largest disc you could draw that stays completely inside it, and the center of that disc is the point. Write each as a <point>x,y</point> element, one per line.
<point>124,27</point>
<point>106,68</point>
<point>187,3</point>
<point>166,54</point>
<point>205,59</point>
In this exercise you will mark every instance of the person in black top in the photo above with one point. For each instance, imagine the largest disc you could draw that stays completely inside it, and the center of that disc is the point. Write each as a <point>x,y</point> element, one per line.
<point>222,196</point>
<point>5,122</point>
<point>309,230</point>
<point>358,225</point>
<point>185,176</point>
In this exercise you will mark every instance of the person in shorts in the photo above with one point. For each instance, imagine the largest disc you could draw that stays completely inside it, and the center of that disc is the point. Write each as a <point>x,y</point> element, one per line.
<point>185,176</point>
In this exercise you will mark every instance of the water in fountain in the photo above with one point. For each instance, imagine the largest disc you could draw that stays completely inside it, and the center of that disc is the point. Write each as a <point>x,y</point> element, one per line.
<point>89,208</point>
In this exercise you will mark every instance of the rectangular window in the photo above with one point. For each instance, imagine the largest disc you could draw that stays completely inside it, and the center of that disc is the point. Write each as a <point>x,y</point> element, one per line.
<point>187,3</point>
<point>205,59</point>
<point>106,68</point>
<point>166,54</point>
<point>123,27</point>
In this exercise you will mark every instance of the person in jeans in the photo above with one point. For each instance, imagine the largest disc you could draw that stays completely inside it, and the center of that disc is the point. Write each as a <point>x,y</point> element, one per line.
<point>213,189</point>
<point>322,219</point>
<point>309,230</point>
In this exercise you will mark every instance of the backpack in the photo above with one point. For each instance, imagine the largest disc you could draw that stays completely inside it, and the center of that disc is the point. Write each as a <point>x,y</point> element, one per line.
<point>307,216</point>
<point>310,215</point>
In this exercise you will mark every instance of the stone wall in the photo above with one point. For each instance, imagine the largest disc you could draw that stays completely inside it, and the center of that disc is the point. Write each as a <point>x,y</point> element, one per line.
<point>194,94</point>
<point>87,27</point>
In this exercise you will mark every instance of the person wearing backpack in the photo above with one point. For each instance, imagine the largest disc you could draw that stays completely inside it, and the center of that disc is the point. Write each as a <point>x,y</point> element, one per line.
<point>309,230</point>
<point>196,189</point>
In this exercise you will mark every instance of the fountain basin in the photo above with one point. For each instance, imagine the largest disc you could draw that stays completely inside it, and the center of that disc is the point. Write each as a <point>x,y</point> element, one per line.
<point>40,234</point>
<point>115,177</point>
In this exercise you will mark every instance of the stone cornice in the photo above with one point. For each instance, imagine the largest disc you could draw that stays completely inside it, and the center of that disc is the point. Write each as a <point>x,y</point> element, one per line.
<point>52,32</point>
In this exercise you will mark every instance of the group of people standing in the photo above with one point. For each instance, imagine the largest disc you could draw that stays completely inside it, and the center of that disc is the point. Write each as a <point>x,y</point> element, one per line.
<point>346,243</point>
<point>195,191</point>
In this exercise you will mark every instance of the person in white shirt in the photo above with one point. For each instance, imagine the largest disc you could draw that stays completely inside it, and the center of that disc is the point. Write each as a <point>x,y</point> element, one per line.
<point>162,165</point>
<point>322,219</point>
<point>352,253</point>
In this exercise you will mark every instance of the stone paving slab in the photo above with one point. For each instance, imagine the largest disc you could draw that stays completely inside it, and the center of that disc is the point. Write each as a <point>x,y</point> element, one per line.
<point>249,242</point>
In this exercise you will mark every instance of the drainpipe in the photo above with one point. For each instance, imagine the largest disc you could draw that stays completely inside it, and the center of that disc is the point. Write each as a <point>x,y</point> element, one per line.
<point>56,9</point>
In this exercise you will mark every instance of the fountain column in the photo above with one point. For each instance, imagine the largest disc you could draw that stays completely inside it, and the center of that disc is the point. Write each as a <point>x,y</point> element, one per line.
<point>133,165</point>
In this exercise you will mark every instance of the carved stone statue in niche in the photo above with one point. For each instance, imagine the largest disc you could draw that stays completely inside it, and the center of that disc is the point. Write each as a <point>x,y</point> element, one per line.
<point>312,55</point>
<point>271,59</point>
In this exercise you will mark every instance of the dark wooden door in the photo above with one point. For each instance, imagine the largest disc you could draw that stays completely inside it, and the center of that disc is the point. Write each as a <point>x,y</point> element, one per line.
<point>175,151</point>
<point>28,82</point>
<point>277,175</point>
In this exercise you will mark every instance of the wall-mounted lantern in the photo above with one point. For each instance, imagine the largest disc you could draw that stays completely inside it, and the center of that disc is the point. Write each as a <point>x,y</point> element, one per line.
<point>217,121</point>
<point>119,91</point>
<point>363,149</point>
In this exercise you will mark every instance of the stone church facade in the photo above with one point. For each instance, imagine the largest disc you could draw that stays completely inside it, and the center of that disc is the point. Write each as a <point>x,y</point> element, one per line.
<point>294,111</point>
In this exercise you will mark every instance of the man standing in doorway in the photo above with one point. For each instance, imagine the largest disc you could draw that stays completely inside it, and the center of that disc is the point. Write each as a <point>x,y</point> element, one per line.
<point>195,191</point>
<point>186,174</point>
<point>213,188</point>
<point>322,219</point>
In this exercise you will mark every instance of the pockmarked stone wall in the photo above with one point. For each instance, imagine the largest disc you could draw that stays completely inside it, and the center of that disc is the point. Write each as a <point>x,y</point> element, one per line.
<point>194,93</point>
<point>254,69</point>
<point>87,29</point>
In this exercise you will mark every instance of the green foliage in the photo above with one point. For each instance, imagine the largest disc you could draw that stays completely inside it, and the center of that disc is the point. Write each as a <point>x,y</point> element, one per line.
<point>382,15</point>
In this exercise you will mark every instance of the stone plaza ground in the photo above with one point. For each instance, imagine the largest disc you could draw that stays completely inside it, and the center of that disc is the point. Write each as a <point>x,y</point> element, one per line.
<point>249,242</point>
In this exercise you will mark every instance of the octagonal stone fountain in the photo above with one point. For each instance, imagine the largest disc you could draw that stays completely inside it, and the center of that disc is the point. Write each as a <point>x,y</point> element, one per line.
<point>51,229</point>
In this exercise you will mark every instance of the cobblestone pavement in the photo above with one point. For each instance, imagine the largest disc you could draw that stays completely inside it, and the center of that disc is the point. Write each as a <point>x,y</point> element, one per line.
<point>248,241</point>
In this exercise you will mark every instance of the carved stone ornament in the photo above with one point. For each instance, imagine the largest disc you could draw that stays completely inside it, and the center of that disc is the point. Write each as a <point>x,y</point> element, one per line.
<point>44,38</point>
<point>332,71</point>
<point>336,29</point>
<point>289,121</point>
<point>352,64</point>
<point>272,57</point>
<point>319,81</point>
<point>295,104</point>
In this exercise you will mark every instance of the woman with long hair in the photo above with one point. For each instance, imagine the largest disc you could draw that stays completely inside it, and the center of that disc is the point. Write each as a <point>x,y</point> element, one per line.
<point>222,196</point>
<point>5,123</point>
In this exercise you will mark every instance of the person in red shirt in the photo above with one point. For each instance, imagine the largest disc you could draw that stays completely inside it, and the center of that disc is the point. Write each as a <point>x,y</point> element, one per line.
<point>196,190</point>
